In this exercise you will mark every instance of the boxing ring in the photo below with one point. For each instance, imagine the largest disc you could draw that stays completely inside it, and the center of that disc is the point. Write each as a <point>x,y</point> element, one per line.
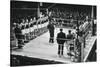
<point>41,48</point>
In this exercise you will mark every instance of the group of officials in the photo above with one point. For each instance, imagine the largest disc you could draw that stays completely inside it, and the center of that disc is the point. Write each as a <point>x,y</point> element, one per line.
<point>61,38</point>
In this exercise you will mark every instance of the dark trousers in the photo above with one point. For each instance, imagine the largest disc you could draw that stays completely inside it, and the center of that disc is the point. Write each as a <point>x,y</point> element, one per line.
<point>60,49</point>
<point>20,40</point>
<point>51,39</point>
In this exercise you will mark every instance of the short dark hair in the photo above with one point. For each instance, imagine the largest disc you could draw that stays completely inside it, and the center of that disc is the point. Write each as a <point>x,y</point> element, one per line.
<point>69,31</point>
<point>61,29</point>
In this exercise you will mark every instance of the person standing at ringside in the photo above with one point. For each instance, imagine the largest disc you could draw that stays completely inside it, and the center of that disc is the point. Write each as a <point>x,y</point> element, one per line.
<point>19,36</point>
<point>51,31</point>
<point>61,36</point>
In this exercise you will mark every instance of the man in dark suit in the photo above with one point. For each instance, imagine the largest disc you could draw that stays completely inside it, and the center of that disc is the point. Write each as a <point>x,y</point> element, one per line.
<point>18,35</point>
<point>51,31</point>
<point>61,36</point>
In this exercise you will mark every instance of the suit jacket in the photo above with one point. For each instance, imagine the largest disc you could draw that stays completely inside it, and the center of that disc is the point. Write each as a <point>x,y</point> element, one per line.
<point>50,27</point>
<point>61,38</point>
<point>18,33</point>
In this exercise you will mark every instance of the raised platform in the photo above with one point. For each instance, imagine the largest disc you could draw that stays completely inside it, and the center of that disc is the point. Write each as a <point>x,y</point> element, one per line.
<point>41,48</point>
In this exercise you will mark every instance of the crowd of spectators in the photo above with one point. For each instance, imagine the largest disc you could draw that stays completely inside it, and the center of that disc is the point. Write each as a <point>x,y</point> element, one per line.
<point>28,27</point>
<point>60,16</point>
<point>67,14</point>
<point>69,17</point>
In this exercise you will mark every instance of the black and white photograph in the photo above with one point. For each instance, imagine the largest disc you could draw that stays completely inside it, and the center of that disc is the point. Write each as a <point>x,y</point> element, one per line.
<point>43,33</point>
